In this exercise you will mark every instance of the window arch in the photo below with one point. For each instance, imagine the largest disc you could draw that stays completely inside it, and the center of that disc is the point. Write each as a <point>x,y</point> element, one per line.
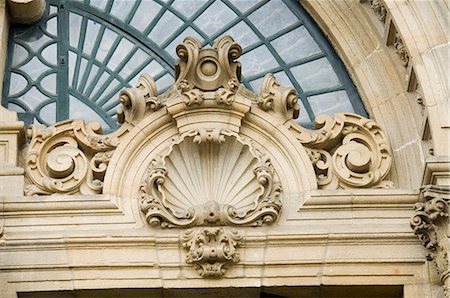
<point>75,61</point>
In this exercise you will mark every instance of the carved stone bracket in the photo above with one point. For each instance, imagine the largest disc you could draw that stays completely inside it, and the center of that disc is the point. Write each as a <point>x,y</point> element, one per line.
<point>210,177</point>
<point>211,249</point>
<point>347,151</point>
<point>430,223</point>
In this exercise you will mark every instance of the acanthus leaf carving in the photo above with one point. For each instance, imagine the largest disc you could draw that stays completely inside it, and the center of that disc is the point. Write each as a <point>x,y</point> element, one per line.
<point>211,249</point>
<point>430,224</point>
<point>182,189</point>
<point>348,151</point>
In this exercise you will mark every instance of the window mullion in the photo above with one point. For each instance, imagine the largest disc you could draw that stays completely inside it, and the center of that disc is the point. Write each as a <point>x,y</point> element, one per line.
<point>62,104</point>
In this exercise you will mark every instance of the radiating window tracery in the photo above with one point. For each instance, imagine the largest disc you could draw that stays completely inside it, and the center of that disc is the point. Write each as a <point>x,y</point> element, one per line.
<point>75,61</point>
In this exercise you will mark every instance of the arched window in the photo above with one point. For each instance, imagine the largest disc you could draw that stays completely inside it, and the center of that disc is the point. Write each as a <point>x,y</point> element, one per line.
<point>74,62</point>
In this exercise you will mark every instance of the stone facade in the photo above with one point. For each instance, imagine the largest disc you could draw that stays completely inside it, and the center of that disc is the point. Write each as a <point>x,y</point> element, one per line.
<point>212,186</point>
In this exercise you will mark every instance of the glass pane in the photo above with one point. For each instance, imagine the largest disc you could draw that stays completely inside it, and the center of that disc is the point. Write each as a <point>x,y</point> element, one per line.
<point>121,9</point>
<point>259,60</point>
<point>52,26</point>
<point>244,5</point>
<point>122,50</point>
<point>295,45</point>
<point>79,110</point>
<point>316,75</point>
<point>214,18</point>
<point>91,36</point>
<point>242,34</point>
<point>164,82</point>
<point>17,84</point>
<point>268,18</point>
<point>34,68</point>
<point>49,83</point>
<point>74,29</point>
<point>49,54</point>
<point>20,54</point>
<point>330,103</point>
<point>165,27</point>
<point>99,4</point>
<point>145,14</point>
<point>303,118</point>
<point>32,98</point>
<point>106,45</point>
<point>188,7</point>
<point>48,113</point>
<point>179,39</point>
<point>134,63</point>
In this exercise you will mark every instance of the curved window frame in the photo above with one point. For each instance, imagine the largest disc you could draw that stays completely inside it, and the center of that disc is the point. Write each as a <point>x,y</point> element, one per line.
<point>159,53</point>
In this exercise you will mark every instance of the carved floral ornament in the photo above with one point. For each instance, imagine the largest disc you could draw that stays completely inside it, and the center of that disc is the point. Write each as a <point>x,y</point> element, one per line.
<point>209,177</point>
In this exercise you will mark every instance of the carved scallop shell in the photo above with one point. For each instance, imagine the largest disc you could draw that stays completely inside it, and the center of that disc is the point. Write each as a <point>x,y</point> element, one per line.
<point>210,178</point>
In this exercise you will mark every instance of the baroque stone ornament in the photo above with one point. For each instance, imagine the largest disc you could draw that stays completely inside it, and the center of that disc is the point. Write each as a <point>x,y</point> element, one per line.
<point>211,249</point>
<point>210,177</point>
<point>208,155</point>
<point>430,223</point>
<point>71,157</point>
<point>68,158</point>
<point>347,151</point>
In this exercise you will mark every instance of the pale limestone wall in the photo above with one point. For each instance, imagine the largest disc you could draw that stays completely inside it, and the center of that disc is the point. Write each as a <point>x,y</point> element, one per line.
<point>325,237</point>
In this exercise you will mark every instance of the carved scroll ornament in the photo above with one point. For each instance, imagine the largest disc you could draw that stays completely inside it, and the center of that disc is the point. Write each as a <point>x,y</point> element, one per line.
<point>71,157</point>
<point>210,177</point>
<point>347,151</point>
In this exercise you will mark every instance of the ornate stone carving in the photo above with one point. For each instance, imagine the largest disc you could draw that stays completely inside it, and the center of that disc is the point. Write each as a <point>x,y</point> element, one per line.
<point>136,101</point>
<point>208,69</point>
<point>379,9</point>
<point>200,171</point>
<point>282,100</point>
<point>210,177</point>
<point>211,249</point>
<point>430,224</point>
<point>347,151</point>
<point>67,158</point>
<point>401,50</point>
